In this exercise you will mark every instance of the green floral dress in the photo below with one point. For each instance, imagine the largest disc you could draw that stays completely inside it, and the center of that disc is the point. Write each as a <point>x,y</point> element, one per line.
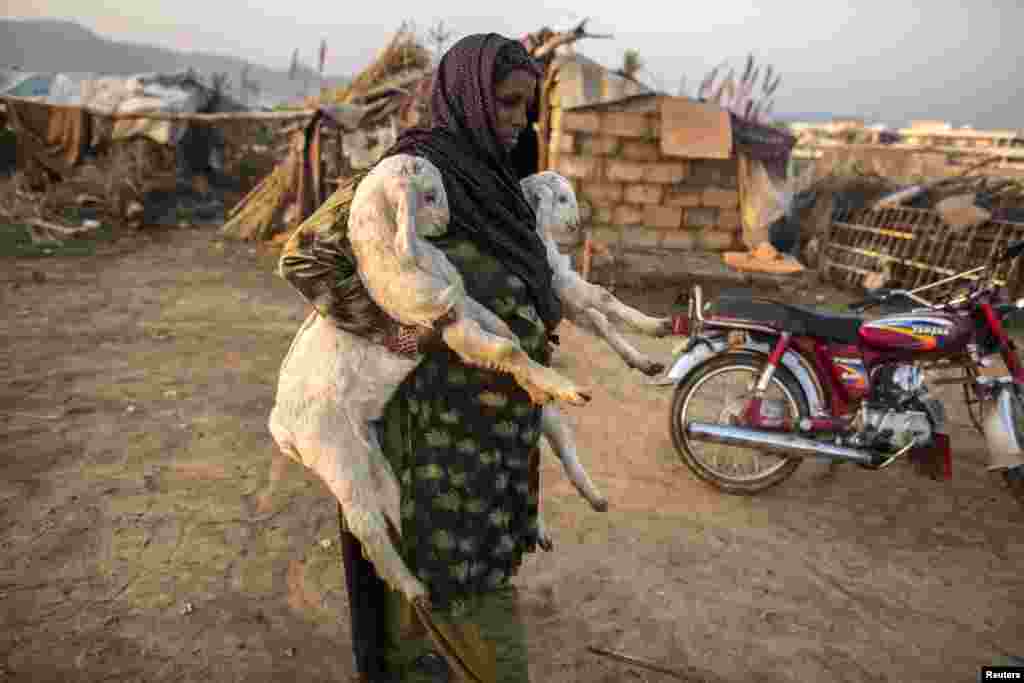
<point>460,440</point>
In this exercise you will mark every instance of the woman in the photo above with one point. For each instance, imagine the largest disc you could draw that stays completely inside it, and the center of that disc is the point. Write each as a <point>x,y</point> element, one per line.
<point>462,441</point>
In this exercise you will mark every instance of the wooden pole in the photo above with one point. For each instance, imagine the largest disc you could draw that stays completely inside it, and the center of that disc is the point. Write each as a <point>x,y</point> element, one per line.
<point>588,252</point>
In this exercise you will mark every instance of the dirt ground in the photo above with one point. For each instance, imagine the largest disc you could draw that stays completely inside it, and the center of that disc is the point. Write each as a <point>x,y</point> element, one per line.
<point>149,531</point>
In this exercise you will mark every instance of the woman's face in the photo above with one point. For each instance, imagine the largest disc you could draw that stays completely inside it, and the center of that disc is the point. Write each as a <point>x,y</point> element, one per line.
<point>515,95</point>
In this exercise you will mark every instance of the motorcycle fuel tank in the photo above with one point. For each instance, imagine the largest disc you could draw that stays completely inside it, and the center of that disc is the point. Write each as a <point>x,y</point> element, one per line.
<point>915,333</point>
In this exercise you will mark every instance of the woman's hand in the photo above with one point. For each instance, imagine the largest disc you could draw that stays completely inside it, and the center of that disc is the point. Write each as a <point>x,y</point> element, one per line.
<point>412,340</point>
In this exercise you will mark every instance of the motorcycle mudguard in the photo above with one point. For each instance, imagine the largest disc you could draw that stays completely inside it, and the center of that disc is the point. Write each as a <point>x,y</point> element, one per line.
<point>700,350</point>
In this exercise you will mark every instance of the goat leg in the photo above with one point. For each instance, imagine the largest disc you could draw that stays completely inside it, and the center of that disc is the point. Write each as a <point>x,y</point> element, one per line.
<point>563,445</point>
<point>346,470</point>
<point>590,295</point>
<point>478,347</point>
<point>594,320</point>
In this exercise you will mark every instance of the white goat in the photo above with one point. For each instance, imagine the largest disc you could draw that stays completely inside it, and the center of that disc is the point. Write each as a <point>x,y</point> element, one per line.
<point>588,305</point>
<point>333,385</point>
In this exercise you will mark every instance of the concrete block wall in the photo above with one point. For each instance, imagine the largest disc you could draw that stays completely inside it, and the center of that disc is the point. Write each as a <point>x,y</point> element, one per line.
<point>647,208</point>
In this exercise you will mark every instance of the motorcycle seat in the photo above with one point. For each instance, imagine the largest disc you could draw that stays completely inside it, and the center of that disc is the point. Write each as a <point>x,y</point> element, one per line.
<point>801,321</point>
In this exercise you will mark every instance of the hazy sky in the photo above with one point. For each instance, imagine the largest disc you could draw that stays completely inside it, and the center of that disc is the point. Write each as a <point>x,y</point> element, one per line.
<point>892,59</point>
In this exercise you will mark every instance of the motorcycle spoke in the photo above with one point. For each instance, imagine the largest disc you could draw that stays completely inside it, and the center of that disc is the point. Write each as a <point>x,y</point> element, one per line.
<point>726,405</point>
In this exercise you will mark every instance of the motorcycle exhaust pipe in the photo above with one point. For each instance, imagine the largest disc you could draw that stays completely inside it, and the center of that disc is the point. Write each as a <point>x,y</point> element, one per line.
<point>780,443</point>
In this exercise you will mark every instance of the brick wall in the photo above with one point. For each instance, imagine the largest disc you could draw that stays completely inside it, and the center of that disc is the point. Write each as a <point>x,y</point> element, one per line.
<point>646,207</point>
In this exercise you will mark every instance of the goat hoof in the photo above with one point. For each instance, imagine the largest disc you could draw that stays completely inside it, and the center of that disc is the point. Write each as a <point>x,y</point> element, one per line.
<point>652,369</point>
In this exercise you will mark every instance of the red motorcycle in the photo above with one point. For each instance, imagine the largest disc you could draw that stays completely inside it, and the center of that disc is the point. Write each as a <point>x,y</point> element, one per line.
<point>761,384</point>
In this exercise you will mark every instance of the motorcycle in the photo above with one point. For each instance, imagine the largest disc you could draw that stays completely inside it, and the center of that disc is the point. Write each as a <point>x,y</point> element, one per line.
<point>812,383</point>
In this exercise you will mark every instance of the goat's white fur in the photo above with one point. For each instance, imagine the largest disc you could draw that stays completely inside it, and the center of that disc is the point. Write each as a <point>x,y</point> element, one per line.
<point>334,385</point>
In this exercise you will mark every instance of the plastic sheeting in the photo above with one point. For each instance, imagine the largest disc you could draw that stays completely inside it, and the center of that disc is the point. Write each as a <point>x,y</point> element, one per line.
<point>176,93</point>
<point>763,200</point>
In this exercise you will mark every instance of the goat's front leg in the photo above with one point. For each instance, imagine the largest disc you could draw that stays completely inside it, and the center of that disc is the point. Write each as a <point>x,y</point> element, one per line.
<point>575,290</point>
<point>593,319</point>
<point>476,346</point>
<point>563,445</point>
<point>641,322</point>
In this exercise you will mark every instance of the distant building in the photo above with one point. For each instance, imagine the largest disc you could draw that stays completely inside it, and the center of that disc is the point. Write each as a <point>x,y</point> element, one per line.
<point>929,125</point>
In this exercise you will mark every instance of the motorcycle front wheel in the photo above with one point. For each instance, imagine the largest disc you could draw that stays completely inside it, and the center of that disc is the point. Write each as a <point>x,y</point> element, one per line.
<point>717,392</point>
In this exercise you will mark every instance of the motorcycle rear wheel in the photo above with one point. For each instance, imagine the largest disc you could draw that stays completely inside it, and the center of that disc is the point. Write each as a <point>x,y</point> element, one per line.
<point>686,392</point>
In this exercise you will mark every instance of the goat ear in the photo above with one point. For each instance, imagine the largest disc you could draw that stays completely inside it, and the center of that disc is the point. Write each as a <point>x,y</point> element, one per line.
<point>406,203</point>
<point>545,195</point>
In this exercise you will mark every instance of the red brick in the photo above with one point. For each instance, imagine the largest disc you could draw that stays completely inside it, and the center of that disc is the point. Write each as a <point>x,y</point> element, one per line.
<point>720,198</point>
<point>715,240</point>
<point>730,220</point>
<point>640,150</point>
<point>628,124</point>
<point>626,171</point>
<point>584,121</point>
<point>599,145</point>
<point>567,143</point>
<point>682,196</point>
<point>602,192</point>
<point>584,168</point>
<point>644,194</point>
<point>627,214</point>
<point>667,172</point>
<point>669,217</point>
<point>703,217</point>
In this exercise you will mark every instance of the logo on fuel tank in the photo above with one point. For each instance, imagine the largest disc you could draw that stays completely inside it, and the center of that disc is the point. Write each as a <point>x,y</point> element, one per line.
<point>918,327</point>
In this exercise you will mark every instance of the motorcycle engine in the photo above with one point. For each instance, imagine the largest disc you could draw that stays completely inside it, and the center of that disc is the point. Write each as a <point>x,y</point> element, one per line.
<point>899,411</point>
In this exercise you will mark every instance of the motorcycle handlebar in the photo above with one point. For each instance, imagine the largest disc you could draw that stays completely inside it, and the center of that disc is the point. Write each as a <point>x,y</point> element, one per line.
<point>878,297</point>
<point>874,298</point>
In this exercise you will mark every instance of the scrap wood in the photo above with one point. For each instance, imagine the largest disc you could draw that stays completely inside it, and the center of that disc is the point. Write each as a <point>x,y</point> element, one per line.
<point>46,231</point>
<point>691,676</point>
<point>553,41</point>
<point>900,196</point>
<point>960,211</point>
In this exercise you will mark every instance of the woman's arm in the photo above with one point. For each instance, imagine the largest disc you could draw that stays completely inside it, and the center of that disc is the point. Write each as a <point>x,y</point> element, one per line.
<point>317,260</point>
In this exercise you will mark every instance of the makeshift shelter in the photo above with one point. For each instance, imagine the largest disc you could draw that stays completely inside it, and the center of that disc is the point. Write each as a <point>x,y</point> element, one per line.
<point>659,177</point>
<point>365,116</point>
<point>59,117</point>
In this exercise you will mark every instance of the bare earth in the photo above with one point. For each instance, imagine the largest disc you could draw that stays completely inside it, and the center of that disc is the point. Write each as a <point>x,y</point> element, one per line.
<point>149,531</point>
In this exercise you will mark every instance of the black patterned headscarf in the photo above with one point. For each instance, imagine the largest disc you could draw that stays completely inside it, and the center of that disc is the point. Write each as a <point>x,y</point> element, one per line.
<point>487,204</point>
